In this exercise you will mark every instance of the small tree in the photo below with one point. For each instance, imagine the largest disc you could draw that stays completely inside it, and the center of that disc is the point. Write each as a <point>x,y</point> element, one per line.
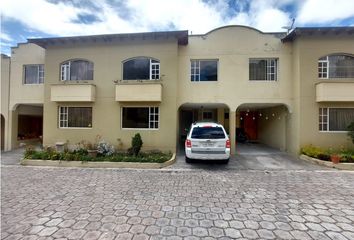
<point>351,131</point>
<point>137,143</point>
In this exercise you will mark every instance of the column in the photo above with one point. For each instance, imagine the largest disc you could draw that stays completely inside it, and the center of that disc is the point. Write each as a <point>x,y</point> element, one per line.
<point>232,124</point>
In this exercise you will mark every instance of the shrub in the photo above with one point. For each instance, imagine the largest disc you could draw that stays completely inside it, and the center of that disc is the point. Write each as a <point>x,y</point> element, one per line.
<point>104,148</point>
<point>137,143</point>
<point>312,151</point>
<point>351,131</point>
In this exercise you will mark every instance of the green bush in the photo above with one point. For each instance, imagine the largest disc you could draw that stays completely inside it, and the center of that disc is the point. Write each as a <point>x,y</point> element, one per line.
<point>351,131</point>
<point>312,151</point>
<point>137,143</point>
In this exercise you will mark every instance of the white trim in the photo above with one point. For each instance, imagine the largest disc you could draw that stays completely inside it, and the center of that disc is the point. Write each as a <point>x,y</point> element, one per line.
<point>328,130</point>
<point>38,74</point>
<point>271,62</point>
<point>321,67</point>
<point>195,70</point>
<point>67,117</point>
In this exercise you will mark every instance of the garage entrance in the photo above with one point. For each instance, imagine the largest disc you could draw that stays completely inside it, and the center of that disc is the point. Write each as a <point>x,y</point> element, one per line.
<point>189,113</point>
<point>264,124</point>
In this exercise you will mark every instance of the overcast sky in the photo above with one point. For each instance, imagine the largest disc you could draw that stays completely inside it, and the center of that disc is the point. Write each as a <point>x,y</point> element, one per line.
<point>22,19</point>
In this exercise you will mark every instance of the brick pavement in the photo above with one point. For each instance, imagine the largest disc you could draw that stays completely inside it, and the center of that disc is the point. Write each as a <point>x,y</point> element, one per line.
<point>58,203</point>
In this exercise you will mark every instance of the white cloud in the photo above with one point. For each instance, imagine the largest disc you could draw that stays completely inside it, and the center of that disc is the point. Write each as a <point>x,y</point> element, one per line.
<point>324,11</point>
<point>5,37</point>
<point>62,19</point>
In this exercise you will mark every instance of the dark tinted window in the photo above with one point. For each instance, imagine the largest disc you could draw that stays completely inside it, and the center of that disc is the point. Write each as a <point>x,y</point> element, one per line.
<point>204,70</point>
<point>139,69</point>
<point>208,133</point>
<point>135,117</point>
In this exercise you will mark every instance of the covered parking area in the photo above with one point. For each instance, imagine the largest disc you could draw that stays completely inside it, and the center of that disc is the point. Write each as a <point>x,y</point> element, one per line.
<point>189,113</point>
<point>261,127</point>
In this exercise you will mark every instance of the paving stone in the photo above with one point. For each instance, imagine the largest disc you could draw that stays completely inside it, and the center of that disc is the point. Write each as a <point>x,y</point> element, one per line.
<point>300,235</point>
<point>336,235</point>
<point>249,234</point>
<point>168,230</point>
<point>76,234</point>
<point>232,233</point>
<point>265,234</point>
<point>282,234</point>
<point>215,232</point>
<point>47,231</point>
<point>200,231</point>
<point>184,231</point>
<point>92,235</point>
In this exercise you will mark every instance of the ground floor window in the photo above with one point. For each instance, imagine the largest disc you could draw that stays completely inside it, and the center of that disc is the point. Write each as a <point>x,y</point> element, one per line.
<point>140,117</point>
<point>335,119</point>
<point>75,117</point>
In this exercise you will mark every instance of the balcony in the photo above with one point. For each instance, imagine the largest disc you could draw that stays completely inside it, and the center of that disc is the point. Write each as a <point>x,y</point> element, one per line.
<point>335,92</point>
<point>139,92</point>
<point>73,93</point>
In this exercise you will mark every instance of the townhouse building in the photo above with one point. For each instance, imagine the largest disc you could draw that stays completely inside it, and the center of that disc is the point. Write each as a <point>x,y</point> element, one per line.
<point>282,90</point>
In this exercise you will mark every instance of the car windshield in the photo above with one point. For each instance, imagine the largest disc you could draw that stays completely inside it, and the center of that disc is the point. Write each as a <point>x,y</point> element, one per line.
<point>208,133</point>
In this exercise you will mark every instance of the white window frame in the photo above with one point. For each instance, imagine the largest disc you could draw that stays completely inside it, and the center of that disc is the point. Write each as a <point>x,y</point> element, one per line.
<point>40,77</point>
<point>156,115</point>
<point>325,111</point>
<point>66,120</point>
<point>154,66</point>
<point>195,69</point>
<point>321,65</point>
<point>271,64</point>
<point>65,71</point>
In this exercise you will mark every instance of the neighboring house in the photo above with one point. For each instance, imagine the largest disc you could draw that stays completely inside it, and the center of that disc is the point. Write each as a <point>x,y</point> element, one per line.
<point>283,90</point>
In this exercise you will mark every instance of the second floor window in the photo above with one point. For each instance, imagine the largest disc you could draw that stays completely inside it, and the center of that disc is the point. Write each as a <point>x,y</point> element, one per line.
<point>336,66</point>
<point>141,68</point>
<point>204,70</point>
<point>34,74</point>
<point>263,69</point>
<point>76,70</point>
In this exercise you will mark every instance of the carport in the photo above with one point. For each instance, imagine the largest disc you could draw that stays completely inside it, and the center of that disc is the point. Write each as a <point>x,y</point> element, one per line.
<point>260,124</point>
<point>189,113</point>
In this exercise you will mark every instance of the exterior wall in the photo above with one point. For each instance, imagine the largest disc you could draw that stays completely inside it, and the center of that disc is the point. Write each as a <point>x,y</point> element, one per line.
<point>273,131</point>
<point>106,110</point>
<point>5,88</point>
<point>233,46</point>
<point>309,50</point>
<point>21,93</point>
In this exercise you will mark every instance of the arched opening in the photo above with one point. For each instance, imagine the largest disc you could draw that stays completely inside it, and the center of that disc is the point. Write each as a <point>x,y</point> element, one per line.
<point>2,132</point>
<point>261,125</point>
<point>189,113</point>
<point>76,69</point>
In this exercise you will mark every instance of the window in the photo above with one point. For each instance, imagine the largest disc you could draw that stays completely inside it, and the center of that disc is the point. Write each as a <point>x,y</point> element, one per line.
<point>141,68</point>
<point>263,69</point>
<point>335,119</point>
<point>336,66</point>
<point>204,70</point>
<point>75,117</point>
<point>140,117</point>
<point>208,133</point>
<point>76,70</point>
<point>207,115</point>
<point>34,74</point>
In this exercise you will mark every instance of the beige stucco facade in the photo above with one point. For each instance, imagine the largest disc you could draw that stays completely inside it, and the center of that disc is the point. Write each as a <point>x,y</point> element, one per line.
<point>5,87</point>
<point>287,109</point>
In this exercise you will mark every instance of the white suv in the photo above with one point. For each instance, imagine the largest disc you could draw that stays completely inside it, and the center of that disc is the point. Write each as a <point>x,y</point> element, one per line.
<point>207,141</point>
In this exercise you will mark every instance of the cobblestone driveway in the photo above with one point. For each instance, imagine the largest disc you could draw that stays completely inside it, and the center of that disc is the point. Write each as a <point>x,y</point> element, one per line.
<point>47,203</point>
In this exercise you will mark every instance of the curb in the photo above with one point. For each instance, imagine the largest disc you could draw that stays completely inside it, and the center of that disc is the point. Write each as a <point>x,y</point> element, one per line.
<point>79,164</point>
<point>340,166</point>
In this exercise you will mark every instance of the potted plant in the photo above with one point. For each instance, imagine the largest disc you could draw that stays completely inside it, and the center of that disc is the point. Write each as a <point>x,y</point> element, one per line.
<point>91,149</point>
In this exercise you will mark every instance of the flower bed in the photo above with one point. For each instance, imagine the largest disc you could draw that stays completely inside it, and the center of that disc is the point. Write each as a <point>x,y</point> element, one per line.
<point>345,155</point>
<point>82,155</point>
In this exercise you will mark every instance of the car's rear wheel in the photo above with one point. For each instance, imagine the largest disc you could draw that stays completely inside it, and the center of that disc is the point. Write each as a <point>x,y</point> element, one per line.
<point>188,160</point>
<point>226,161</point>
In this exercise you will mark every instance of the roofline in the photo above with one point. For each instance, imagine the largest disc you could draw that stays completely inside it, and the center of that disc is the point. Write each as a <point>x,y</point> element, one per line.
<point>181,36</point>
<point>310,31</point>
<point>242,26</point>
